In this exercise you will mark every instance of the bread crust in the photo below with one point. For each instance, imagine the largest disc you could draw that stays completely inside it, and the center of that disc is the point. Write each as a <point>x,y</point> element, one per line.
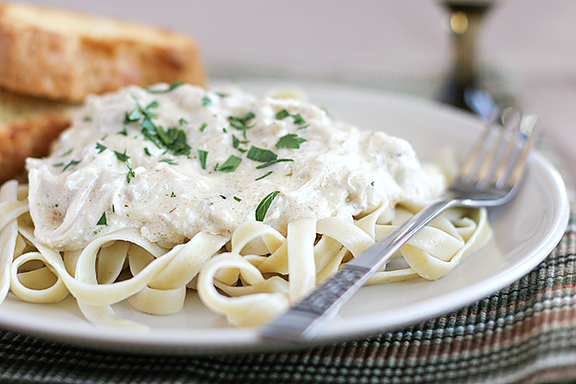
<point>25,138</point>
<point>64,55</point>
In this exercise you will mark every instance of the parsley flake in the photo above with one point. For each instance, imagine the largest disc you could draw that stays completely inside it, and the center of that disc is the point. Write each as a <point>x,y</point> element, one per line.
<point>261,155</point>
<point>123,157</point>
<point>240,123</point>
<point>202,156</point>
<point>264,205</point>
<point>229,165</point>
<point>169,161</point>
<point>237,198</point>
<point>261,177</point>
<point>72,162</point>
<point>272,163</point>
<point>102,220</point>
<point>290,140</point>
<point>206,101</point>
<point>282,114</point>
<point>171,87</point>
<point>203,127</point>
<point>131,174</point>
<point>101,148</point>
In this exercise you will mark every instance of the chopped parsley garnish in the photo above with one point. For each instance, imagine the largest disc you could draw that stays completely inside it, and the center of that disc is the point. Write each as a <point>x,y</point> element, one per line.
<point>102,220</point>
<point>203,156</point>
<point>101,148</point>
<point>87,118</point>
<point>264,205</point>
<point>182,121</point>
<point>261,155</point>
<point>272,162</point>
<point>236,144</point>
<point>203,127</point>
<point>168,161</point>
<point>290,140</point>
<point>131,174</point>
<point>173,194</point>
<point>261,177</point>
<point>298,119</point>
<point>170,88</point>
<point>237,198</point>
<point>67,152</point>
<point>58,165</point>
<point>172,139</point>
<point>229,165</point>
<point>123,132</point>
<point>206,101</point>
<point>123,157</point>
<point>240,123</point>
<point>282,114</point>
<point>72,162</point>
<point>135,115</point>
<point>147,152</point>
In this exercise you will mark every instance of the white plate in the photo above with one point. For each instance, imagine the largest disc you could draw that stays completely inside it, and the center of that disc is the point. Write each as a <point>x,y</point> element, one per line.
<point>525,232</point>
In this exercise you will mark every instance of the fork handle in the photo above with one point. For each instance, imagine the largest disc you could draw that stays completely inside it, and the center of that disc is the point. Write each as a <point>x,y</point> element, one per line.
<point>306,319</point>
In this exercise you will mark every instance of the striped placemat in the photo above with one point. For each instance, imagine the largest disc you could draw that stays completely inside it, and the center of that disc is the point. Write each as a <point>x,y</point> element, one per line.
<point>526,333</point>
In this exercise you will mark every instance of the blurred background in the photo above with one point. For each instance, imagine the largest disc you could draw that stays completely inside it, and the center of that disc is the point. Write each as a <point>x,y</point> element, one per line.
<point>527,47</point>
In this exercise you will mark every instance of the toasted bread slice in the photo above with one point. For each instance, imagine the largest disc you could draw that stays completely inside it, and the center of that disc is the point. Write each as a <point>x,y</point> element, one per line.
<point>65,55</point>
<point>28,126</point>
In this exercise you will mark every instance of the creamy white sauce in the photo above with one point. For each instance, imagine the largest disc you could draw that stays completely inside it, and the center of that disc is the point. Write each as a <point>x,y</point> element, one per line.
<point>339,169</point>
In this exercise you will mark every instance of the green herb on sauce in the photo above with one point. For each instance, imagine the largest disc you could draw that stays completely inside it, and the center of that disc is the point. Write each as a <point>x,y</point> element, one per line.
<point>272,163</point>
<point>123,157</point>
<point>101,148</point>
<point>202,156</point>
<point>290,140</point>
<point>102,220</point>
<point>67,152</point>
<point>241,123</point>
<point>264,205</point>
<point>170,88</point>
<point>298,119</point>
<point>261,177</point>
<point>261,155</point>
<point>281,115</point>
<point>71,163</point>
<point>229,165</point>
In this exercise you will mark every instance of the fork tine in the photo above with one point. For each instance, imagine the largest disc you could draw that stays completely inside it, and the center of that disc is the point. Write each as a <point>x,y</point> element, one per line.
<point>482,162</point>
<point>502,150</point>
<point>512,170</point>
<point>474,157</point>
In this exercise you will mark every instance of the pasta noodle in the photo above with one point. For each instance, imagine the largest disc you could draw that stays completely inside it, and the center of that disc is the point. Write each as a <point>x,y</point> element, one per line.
<point>249,274</point>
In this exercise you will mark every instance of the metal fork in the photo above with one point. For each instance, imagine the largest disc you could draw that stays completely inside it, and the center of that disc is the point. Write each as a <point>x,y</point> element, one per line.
<point>489,177</point>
